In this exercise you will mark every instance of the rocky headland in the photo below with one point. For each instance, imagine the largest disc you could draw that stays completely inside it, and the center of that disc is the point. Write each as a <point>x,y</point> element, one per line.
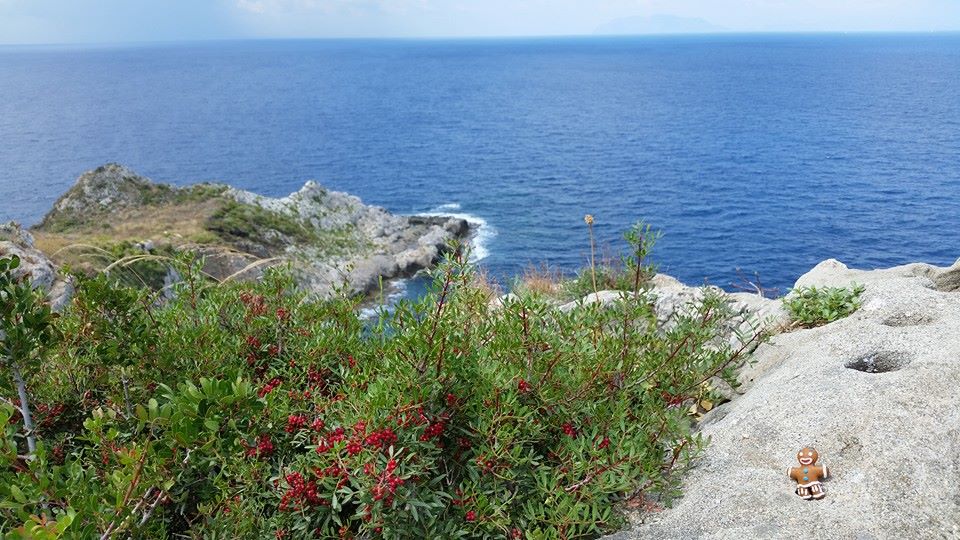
<point>330,239</point>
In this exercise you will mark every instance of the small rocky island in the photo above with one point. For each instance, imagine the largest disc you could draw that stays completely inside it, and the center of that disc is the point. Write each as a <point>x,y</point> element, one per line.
<point>330,239</point>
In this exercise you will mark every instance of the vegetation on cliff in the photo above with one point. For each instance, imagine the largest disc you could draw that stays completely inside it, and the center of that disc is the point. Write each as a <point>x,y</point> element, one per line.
<point>111,212</point>
<point>240,410</point>
<point>810,307</point>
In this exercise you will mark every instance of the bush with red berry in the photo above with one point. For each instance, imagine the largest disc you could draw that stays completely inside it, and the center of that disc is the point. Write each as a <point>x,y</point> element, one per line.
<point>249,411</point>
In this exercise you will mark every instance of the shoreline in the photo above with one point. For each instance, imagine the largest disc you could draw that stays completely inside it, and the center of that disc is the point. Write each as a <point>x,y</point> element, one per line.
<point>329,238</point>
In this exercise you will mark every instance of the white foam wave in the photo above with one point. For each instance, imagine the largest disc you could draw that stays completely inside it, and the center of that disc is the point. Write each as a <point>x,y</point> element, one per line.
<point>394,291</point>
<point>481,232</point>
<point>480,235</point>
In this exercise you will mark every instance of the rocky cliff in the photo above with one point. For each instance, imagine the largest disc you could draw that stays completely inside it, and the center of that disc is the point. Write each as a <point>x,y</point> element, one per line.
<point>875,393</point>
<point>330,239</point>
<point>34,265</point>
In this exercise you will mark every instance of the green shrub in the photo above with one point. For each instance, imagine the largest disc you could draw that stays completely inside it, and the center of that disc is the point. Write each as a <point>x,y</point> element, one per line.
<point>248,224</point>
<point>244,411</point>
<point>626,273</point>
<point>812,306</point>
<point>239,221</point>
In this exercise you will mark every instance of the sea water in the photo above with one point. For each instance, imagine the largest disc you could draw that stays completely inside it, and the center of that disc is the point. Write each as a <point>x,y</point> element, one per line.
<point>757,155</point>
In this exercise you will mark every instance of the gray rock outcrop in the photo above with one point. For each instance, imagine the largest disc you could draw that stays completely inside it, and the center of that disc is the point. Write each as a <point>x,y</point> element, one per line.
<point>34,265</point>
<point>380,245</point>
<point>875,393</point>
<point>331,240</point>
<point>751,312</point>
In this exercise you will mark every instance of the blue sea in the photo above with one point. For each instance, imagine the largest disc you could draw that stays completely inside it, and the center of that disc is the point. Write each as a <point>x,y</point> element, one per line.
<point>760,154</point>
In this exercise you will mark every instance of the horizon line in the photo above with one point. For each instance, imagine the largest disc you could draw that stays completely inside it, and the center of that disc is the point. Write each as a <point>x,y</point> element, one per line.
<point>712,33</point>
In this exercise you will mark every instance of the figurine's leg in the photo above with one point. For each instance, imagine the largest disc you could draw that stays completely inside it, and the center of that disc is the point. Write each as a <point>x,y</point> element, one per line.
<point>804,493</point>
<point>816,491</point>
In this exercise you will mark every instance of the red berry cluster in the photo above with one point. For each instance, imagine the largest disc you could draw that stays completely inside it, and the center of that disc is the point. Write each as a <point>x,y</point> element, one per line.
<point>49,415</point>
<point>253,356</point>
<point>264,447</point>
<point>604,443</point>
<point>325,444</point>
<point>58,454</point>
<point>672,400</point>
<point>569,430</point>
<point>301,493</point>
<point>523,386</point>
<point>433,431</point>
<point>295,422</point>
<point>256,304</point>
<point>317,378</point>
<point>487,465</point>
<point>354,447</point>
<point>415,417</point>
<point>382,439</point>
<point>334,471</point>
<point>269,387</point>
<point>387,484</point>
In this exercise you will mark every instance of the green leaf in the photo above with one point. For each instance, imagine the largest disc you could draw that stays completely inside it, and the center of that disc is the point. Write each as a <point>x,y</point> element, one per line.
<point>17,494</point>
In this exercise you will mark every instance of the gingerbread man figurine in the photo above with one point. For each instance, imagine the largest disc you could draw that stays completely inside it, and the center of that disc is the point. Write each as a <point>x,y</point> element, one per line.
<point>808,475</point>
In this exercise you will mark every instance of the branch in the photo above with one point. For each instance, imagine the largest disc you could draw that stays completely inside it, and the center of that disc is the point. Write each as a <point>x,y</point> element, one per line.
<point>146,515</point>
<point>12,404</point>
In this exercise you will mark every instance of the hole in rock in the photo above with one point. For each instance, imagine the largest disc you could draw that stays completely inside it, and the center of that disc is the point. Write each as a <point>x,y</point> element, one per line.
<point>879,362</point>
<point>907,319</point>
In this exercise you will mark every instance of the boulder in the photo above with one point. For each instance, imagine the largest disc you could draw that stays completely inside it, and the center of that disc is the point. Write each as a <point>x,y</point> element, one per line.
<point>833,273</point>
<point>42,273</point>
<point>875,393</point>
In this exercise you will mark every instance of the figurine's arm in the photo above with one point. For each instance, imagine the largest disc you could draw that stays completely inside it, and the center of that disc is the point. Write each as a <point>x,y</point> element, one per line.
<point>824,471</point>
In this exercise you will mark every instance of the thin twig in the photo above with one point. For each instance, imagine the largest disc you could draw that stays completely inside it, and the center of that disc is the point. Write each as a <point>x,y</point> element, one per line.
<point>146,515</point>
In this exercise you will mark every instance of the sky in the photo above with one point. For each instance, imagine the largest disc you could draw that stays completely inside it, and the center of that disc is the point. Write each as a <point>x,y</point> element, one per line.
<point>110,21</point>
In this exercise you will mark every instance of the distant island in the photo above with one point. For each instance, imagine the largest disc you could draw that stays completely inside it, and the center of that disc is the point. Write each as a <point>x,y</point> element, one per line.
<point>656,24</point>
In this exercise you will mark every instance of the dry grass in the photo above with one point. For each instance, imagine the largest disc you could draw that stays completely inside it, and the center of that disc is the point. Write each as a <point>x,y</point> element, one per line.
<point>168,224</point>
<point>542,280</point>
<point>483,281</point>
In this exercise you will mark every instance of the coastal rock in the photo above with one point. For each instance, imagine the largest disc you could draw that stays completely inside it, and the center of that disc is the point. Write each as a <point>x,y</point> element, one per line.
<point>671,298</point>
<point>111,186</point>
<point>604,298</point>
<point>875,393</point>
<point>331,240</point>
<point>15,241</point>
<point>833,273</point>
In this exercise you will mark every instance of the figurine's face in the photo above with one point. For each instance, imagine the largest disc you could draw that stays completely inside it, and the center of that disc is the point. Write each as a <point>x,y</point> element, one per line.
<point>807,456</point>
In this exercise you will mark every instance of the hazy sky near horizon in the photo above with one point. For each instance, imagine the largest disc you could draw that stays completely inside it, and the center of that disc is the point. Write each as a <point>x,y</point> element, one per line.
<point>85,21</point>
